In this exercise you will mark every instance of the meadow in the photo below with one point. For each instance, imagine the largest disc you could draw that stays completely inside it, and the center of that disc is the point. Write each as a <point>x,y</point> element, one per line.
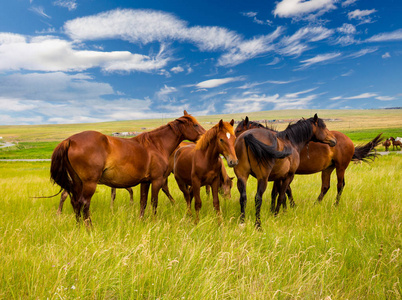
<point>312,251</point>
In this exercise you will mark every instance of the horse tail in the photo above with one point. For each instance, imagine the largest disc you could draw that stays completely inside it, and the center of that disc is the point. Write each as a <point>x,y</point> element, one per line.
<point>365,152</point>
<point>263,152</point>
<point>61,171</point>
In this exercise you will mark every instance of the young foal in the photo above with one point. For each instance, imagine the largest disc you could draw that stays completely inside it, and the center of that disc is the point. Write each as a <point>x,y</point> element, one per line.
<point>275,157</point>
<point>198,165</point>
<point>85,159</point>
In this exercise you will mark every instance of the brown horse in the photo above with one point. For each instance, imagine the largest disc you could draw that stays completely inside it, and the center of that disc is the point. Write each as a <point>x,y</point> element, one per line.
<point>395,143</point>
<point>270,156</point>
<point>200,164</point>
<point>85,159</point>
<point>318,157</point>
<point>386,144</point>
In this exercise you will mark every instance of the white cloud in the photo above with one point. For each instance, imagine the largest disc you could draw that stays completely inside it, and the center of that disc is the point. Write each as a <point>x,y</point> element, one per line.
<point>39,10</point>
<point>319,59</point>
<point>249,49</point>
<point>298,8</point>
<point>347,29</point>
<point>256,102</point>
<point>363,52</point>
<point>363,15</point>
<point>387,36</point>
<point>362,96</point>
<point>348,2</point>
<point>47,53</point>
<point>163,93</point>
<point>297,43</point>
<point>146,26</point>
<point>213,83</point>
<point>349,73</point>
<point>177,69</point>
<point>386,55</point>
<point>55,87</point>
<point>385,98</point>
<point>69,4</point>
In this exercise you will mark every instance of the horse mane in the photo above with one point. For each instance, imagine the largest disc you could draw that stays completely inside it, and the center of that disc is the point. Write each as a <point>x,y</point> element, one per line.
<point>206,138</point>
<point>145,137</point>
<point>301,130</point>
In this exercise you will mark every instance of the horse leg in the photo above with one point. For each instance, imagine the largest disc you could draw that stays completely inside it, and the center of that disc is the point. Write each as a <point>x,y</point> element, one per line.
<point>325,182</point>
<point>215,197</point>
<point>130,191</point>
<point>290,196</point>
<point>88,190</point>
<point>196,185</point>
<point>112,197</point>
<point>186,193</point>
<point>340,174</point>
<point>165,189</point>
<point>156,186</point>
<point>63,198</point>
<point>282,193</point>
<point>144,197</point>
<point>274,194</point>
<point>241,186</point>
<point>261,187</point>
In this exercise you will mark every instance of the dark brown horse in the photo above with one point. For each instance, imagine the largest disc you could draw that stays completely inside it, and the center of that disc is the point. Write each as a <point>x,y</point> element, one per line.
<point>395,143</point>
<point>200,164</point>
<point>318,157</point>
<point>85,159</point>
<point>270,156</point>
<point>386,144</point>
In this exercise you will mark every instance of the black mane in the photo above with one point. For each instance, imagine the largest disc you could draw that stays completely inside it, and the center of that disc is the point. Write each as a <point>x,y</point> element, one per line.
<point>301,131</point>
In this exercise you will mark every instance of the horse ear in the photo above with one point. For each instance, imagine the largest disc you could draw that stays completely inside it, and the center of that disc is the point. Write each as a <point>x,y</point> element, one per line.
<point>185,112</point>
<point>315,118</point>
<point>221,123</point>
<point>232,122</point>
<point>246,120</point>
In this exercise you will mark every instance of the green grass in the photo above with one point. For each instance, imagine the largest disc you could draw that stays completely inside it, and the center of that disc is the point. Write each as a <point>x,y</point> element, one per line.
<point>312,251</point>
<point>29,150</point>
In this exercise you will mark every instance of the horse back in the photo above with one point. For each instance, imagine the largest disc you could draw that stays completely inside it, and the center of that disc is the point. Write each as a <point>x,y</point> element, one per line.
<point>316,157</point>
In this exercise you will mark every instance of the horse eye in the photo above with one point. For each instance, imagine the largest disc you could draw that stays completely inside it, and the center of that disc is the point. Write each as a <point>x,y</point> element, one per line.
<point>221,140</point>
<point>195,125</point>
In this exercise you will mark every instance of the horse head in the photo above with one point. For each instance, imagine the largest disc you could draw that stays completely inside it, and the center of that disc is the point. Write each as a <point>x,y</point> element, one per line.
<point>189,127</point>
<point>321,133</point>
<point>225,142</point>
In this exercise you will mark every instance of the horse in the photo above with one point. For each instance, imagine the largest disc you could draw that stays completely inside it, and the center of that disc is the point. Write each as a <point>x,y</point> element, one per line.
<point>200,164</point>
<point>395,143</point>
<point>270,156</point>
<point>86,159</point>
<point>318,157</point>
<point>386,144</point>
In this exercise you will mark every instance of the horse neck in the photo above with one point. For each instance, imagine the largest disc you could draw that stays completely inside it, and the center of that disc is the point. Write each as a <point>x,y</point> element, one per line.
<point>297,135</point>
<point>166,138</point>
<point>211,151</point>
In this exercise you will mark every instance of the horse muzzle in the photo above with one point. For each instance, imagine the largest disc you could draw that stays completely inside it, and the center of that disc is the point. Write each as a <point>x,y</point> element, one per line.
<point>232,162</point>
<point>332,142</point>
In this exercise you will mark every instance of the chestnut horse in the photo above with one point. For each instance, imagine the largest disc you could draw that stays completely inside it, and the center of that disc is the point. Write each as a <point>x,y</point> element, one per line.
<point>395,143</point>
<point>270,156</point>
<point>318,157</point>
<point>386,144</point>
<point>85,159</point>
<point>198,165</point>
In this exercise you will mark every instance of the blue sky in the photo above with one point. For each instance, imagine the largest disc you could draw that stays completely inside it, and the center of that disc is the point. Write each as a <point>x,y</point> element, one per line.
<point>74,61</point>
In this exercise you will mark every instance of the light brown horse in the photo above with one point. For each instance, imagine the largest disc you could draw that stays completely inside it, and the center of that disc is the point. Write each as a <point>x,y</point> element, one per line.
<point>267,155</point>
<point>85,159</point>
<point>318,157</point>
<point>200,164</point>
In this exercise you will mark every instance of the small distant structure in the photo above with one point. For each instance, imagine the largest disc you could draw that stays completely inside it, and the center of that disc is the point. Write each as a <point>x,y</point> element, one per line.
<point>125,134</point>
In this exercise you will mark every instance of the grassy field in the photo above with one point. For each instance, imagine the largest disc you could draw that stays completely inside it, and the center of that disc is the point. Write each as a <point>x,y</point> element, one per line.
<point>312,251</point>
